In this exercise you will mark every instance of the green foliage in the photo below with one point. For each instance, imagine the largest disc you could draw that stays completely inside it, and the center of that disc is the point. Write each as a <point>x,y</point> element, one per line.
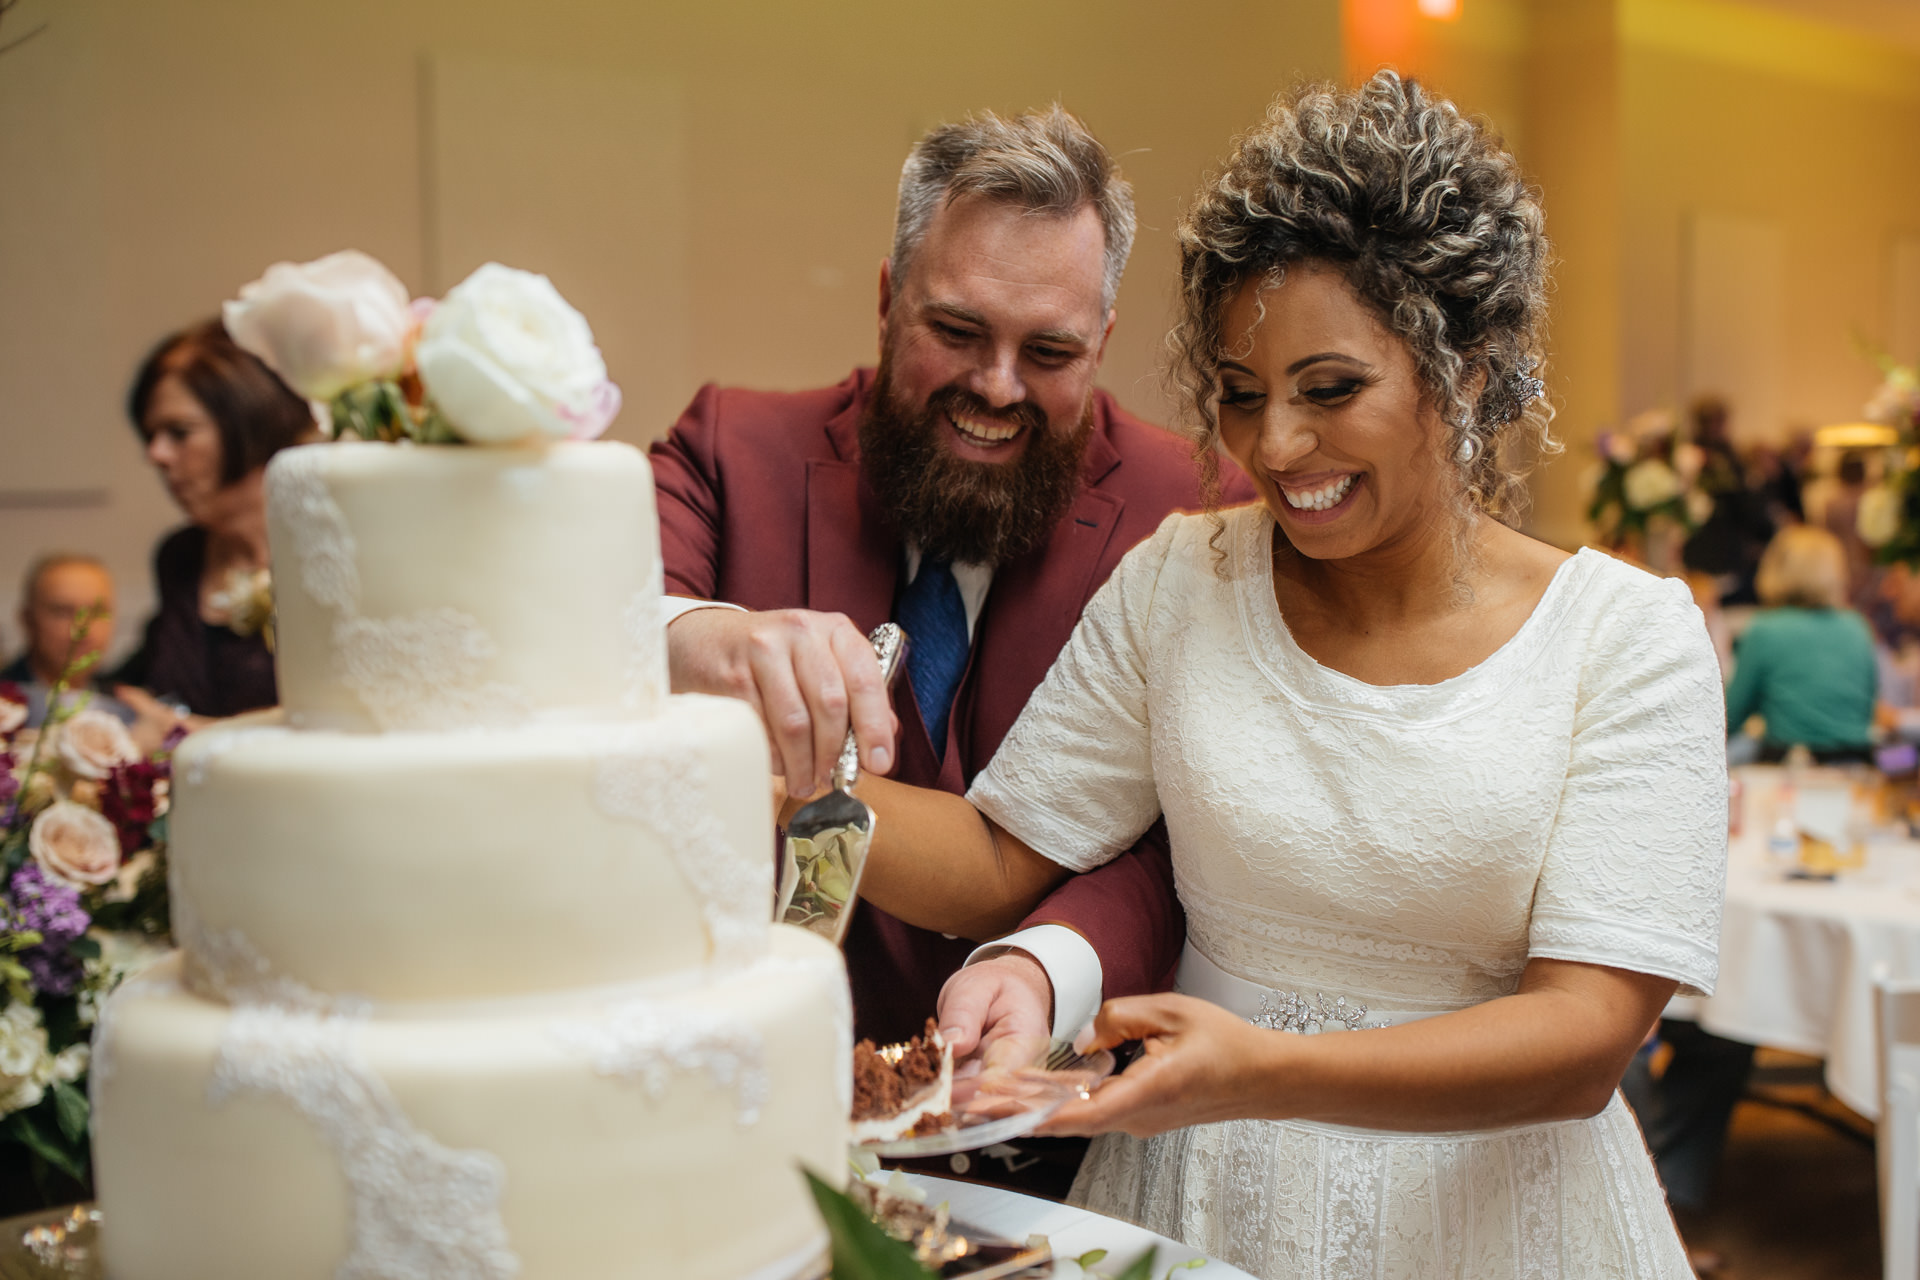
<point>40,1130</point>
<point>71,1109</point>
<point>861,1250</point>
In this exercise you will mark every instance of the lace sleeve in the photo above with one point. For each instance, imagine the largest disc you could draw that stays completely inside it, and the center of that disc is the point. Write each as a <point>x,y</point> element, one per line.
<point>1074,776</point>
<point>1635,868</point>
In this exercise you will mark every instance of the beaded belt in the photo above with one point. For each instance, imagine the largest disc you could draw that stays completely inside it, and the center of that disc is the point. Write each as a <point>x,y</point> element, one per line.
<point>1306,1012</point>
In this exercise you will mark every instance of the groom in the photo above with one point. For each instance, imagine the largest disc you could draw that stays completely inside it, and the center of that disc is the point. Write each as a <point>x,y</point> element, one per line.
<point>977,488</point>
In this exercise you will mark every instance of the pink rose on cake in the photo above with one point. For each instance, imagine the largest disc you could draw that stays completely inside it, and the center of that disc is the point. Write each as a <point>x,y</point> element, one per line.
<point>93,743</point>
<point>325,326</point>
<point>504,358</point>
<point>75,844</point>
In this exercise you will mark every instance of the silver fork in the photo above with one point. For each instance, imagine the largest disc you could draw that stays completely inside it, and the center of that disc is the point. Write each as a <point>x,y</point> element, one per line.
<point>825,851</point>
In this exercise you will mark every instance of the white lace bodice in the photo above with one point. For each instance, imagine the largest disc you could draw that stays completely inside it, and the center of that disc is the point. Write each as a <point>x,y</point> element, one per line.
<point>1411,846</point>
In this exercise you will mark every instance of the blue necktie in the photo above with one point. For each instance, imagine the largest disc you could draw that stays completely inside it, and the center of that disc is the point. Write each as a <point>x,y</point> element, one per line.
<point>935,619</point>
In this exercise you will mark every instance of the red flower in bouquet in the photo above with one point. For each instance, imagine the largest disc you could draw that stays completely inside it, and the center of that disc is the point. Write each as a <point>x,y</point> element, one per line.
<point>131,798</point>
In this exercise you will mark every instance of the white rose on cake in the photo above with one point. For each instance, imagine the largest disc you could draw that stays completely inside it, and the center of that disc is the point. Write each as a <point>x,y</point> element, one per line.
<point>74,844</point>
<point>93,742</point>
<point>505,358</point>
<point>325,325</point>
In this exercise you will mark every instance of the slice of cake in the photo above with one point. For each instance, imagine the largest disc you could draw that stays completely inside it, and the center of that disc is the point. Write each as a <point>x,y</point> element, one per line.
<point>903,1090</point>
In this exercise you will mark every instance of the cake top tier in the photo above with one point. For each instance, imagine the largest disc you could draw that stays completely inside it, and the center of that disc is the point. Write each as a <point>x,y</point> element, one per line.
<point>440,587</point>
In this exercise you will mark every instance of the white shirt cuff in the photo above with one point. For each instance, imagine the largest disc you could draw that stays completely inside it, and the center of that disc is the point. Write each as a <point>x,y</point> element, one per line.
<point>1072,966</point>
<point>672,607</point>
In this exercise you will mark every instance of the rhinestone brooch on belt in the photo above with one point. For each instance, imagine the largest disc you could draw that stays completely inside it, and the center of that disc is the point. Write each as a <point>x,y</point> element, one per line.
<point>1291,1011</point>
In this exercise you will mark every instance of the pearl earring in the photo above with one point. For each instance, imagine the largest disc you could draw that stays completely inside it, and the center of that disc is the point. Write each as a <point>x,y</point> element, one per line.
<point>1468,447</point>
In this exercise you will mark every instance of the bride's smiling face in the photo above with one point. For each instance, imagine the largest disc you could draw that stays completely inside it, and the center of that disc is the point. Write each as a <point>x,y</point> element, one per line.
<point>1322,408</point>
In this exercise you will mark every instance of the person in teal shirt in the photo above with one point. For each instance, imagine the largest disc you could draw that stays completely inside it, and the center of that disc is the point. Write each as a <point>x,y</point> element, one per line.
<point>1805,664</point>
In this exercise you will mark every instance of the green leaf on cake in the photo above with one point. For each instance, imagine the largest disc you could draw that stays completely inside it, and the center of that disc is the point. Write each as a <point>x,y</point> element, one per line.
<point>861,1250</point>
<point>1142,1268</point>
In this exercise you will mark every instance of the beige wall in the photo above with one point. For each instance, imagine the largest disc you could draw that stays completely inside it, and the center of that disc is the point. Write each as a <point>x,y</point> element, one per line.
<point>154,154</point>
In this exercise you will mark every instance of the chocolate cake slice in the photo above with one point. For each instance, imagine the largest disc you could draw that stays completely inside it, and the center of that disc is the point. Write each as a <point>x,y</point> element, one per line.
<point>903,1090</point>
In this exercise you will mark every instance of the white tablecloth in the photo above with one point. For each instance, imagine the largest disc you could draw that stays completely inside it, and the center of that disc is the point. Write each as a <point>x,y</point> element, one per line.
<point>1797,957</point>
<point>1071,1232</point>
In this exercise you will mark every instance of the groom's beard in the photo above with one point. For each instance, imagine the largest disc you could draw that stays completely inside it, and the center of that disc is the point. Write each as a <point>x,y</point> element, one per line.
<point>957,509</point>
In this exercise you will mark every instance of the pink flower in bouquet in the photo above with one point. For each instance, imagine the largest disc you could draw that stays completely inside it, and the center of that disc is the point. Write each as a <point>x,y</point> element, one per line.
<point>93,743</point>
<point>505,358</point>
<point>73,843</point>
<point>325,325</point>
<point>13,707</point>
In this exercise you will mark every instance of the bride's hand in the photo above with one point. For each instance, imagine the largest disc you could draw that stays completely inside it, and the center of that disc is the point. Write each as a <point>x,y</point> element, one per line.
<point>1199,1063</point>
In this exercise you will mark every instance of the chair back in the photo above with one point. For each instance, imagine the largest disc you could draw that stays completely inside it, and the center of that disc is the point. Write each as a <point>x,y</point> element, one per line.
<point>1898,1145</point>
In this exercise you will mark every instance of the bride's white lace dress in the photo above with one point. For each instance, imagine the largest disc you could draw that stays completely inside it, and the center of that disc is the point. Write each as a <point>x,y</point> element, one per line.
<point>1405,848</point>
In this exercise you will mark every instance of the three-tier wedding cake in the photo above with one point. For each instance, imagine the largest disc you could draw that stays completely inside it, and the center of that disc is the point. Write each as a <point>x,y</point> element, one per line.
<point>476,976</point>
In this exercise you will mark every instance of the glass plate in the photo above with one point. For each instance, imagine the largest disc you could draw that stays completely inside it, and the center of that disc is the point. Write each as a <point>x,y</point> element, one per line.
<point>1019,1103</point>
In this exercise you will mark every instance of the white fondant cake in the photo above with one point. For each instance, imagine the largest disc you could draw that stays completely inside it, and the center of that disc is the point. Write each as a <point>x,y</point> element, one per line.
<point>477,978</point>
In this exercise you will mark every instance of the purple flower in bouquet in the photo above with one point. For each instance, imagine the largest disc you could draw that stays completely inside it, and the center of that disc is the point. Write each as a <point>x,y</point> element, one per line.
<point>52,909</point>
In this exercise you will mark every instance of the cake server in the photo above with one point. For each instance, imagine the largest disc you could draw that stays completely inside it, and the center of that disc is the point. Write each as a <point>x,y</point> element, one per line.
<point>827,840</point>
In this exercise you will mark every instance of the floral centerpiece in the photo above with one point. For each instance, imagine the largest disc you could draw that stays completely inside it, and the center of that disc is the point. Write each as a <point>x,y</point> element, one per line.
<point>83,903</point>
<point>1647,490</point>
<point>1889,514</point>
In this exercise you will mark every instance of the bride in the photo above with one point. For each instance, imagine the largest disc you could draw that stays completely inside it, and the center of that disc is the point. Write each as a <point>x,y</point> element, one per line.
<point>1448,798</point>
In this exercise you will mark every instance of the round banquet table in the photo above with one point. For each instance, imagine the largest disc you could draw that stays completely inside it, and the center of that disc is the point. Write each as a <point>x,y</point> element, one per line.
<point>1071,1232</point>
<point>1798,957</point>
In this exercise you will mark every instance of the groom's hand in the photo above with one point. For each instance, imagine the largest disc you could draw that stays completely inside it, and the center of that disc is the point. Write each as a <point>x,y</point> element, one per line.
<point>1008,995</point>
<point>808,675</point>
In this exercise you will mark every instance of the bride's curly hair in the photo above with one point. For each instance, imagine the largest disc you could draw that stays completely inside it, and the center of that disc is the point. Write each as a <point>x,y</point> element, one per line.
<point>1428,219</point>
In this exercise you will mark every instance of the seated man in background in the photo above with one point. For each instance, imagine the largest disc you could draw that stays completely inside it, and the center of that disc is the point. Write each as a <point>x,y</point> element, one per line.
<point>977,489</point>
<point>57,590</point>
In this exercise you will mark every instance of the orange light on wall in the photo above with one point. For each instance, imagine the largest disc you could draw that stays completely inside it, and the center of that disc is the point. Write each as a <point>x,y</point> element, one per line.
<point>1440,10</point>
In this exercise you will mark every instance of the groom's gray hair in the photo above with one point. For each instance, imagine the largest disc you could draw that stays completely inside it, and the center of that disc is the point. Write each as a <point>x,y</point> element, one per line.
<point>1044,162</point>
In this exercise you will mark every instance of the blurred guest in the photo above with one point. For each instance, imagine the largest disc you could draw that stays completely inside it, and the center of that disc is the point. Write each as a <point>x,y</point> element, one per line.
<point>1842,519</point>
<point>1775,475</point>
<point>1729,543</point>
<point>211,416</point>
<point>1806,662</point>
<point>58,589</point>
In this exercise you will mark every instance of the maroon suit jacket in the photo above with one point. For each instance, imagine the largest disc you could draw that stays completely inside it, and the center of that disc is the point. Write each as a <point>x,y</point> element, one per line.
<point>763,504</point>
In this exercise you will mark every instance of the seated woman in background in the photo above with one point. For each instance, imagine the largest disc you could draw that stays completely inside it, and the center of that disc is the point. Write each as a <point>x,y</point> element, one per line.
<point>1805,664</point>
<point>211,416</point>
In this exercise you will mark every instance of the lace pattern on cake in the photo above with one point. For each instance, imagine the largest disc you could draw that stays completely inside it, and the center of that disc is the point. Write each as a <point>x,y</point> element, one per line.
<point>665,787</point>
<point>645,627</point>
<point>224,965</point>
<point>419,1208</point>
<point>422,670</point>
<point>648,1041</point>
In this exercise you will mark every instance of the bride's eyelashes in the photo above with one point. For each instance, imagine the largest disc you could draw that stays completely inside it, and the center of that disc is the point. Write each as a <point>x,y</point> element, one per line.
<point>1326,394</point>
<point>1338,391</point>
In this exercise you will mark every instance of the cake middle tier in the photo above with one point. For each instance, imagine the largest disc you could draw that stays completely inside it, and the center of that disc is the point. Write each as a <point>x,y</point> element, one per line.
<point>453,866</point>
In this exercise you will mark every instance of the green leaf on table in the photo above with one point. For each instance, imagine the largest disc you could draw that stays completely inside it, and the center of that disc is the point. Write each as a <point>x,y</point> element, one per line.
<point>861,1250</point>
<point>1142,1268</point>
<point>71,1110</point>
<point>1090,1259</point>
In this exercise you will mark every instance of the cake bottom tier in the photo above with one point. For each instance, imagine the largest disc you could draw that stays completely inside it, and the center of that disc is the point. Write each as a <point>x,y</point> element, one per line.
<point>621,1133</point>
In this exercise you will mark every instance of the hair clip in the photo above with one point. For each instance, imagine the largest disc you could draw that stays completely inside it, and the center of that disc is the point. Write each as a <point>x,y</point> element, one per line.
<point>1522,389</point>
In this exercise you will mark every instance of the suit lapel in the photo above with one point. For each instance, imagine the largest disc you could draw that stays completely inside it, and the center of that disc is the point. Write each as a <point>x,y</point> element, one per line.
<point>1034,605</point>
<point>853,554</point>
